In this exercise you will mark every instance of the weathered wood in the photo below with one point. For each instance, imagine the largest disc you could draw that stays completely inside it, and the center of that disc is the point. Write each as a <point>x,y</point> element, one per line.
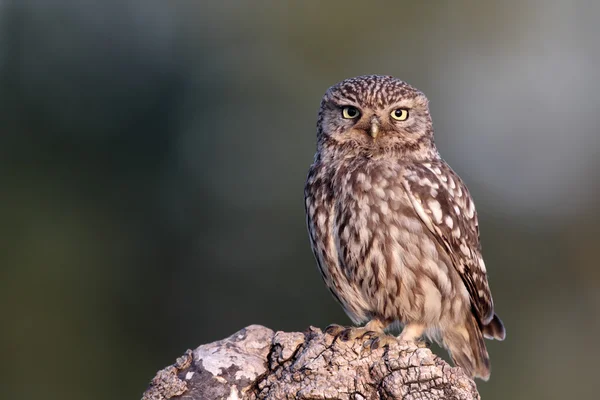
<point>257,363</point>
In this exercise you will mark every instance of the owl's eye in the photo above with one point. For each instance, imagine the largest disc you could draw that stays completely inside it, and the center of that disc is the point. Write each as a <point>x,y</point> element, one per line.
<point>400,114</point>
<point>350,112</point>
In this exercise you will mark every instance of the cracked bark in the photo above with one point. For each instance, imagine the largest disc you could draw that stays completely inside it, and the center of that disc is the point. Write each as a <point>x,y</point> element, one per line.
<point>257,363</point>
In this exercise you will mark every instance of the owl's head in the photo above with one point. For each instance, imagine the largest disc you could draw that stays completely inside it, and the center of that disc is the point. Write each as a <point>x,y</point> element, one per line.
<point>374,116</point>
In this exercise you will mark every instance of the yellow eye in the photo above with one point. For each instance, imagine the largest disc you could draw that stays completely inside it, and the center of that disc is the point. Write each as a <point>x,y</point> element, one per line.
<point>400,114</point>
<point>350,112</point>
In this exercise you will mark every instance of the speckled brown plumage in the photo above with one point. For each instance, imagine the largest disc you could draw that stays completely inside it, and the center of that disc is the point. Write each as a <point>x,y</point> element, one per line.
<point>393,228</point>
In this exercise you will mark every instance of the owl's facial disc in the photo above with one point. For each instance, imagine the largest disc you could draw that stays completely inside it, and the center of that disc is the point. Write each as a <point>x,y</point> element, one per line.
<point>374,116</point>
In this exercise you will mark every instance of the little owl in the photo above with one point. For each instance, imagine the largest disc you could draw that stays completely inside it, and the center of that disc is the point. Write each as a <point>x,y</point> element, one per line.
<point>393,228</point>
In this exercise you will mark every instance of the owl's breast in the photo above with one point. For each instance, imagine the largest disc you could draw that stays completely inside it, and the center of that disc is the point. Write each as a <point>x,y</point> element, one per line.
<point>369,197</point>
<point>385,249</point>
<point>372,212</point>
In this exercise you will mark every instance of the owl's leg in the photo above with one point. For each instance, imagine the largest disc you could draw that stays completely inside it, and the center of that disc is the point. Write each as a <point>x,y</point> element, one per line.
<point>412,332</point>
<point>376,325</point>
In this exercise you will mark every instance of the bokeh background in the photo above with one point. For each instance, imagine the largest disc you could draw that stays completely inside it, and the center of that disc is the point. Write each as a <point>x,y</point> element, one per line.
<point>153,157</point>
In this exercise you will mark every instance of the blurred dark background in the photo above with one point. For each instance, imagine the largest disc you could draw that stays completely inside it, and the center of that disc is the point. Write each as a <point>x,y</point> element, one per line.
<point>153,157</point>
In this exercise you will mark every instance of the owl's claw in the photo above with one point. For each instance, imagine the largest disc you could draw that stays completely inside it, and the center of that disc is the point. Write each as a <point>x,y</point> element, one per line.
<point>345,333</point>
<point>354,333</point>
<point>335,330</point>
<point>373,339</point>
<point>380,340</point>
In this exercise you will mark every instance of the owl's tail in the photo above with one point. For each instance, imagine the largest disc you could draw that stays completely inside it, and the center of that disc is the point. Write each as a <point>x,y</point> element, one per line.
<point>494,329</point>
<point>467,347</point>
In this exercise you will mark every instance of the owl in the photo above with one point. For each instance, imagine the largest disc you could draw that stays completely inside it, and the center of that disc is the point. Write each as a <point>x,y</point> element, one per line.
<point>393,228</point>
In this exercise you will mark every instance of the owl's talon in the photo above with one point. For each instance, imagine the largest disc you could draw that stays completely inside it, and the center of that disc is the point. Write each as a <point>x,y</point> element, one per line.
<point>372,344</point>
<point>381,340</point>
<point>346,334</point>
<point>369,334</point>
<point>355,333</point>
<point>334,330</point>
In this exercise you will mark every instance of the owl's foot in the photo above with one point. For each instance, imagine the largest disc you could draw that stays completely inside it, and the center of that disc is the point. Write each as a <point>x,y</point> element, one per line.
<point>355,333</point>
<point>371,339</point>
<point>346,333</point>
<point>372,331</point>
<point>379,340</point>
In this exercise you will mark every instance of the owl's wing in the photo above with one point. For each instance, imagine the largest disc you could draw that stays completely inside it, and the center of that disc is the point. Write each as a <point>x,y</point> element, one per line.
<point>444,204</point>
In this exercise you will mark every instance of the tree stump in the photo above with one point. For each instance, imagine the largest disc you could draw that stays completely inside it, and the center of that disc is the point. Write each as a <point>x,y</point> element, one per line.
<point>257,363</point>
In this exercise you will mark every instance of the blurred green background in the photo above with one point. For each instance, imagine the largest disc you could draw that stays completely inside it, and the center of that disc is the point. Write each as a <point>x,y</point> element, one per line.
<point>153,156</point>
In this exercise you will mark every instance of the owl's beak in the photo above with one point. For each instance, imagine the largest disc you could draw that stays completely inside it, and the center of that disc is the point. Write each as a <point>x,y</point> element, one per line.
<point>374,131</point>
